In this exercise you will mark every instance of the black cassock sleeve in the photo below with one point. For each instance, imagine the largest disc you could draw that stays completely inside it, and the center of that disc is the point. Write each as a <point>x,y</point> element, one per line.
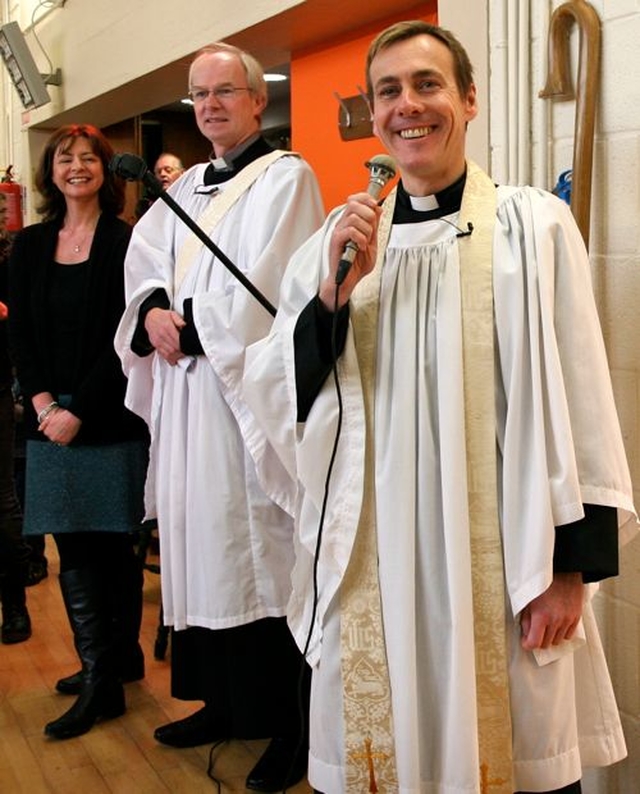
<point>189,340</point>
<point>313,354</point>
<point>140,343</point>
<point>589,545</point>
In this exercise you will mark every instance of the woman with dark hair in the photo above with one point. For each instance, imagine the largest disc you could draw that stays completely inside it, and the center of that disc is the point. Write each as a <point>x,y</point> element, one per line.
<point>86,453</point>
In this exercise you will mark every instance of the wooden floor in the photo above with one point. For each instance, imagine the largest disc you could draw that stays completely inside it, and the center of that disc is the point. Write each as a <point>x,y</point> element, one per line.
<point>119,756</point>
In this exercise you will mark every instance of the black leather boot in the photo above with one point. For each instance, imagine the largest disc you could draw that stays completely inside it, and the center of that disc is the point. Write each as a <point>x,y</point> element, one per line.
<point>125,603</point>
<point>16,625</point>
<point>126,614</point>
<point>101,694</point>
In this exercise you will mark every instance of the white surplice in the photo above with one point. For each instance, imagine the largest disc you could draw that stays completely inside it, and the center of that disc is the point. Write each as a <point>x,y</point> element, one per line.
<point>226,548</point>
<point>559,447</point>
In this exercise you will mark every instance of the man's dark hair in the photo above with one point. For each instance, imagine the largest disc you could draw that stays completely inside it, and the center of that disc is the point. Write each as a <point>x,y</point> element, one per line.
<point>401,31</point>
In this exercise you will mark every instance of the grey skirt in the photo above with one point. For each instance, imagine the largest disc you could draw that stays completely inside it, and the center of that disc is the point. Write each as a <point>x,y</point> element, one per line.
<point>84,488</point>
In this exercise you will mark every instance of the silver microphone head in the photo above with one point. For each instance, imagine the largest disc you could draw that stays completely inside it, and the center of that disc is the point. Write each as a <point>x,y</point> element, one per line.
<point>382,168</point>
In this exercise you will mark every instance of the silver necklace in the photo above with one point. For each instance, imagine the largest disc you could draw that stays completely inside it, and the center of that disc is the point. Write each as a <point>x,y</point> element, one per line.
<point>78,246</point>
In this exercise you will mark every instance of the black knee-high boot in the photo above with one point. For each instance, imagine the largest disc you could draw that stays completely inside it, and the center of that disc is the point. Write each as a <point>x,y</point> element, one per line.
<point>125,606</point>
<point>126,615</point>
<point>101,696</point>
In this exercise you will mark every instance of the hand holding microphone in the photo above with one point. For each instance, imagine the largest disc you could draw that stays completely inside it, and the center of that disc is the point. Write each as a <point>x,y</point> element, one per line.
<point>381,170</point>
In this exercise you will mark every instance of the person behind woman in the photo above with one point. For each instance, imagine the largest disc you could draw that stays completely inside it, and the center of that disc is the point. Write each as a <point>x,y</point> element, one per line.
<point>86,454</point>
<point>16,625</point>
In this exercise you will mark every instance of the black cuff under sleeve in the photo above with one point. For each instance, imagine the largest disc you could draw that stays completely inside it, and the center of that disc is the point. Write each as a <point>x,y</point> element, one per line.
<point>313,354</point>
<point>140,343</point>
<point>589,546</point>
<point>190,343</point>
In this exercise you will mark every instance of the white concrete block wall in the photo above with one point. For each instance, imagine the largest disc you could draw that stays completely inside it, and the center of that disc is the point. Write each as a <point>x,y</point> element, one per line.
<point>615,257</point>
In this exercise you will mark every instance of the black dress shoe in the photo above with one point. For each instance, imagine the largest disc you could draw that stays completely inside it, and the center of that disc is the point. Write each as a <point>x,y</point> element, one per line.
<point>16,626</point>
<point>199,728</point>
<point>282,765</point>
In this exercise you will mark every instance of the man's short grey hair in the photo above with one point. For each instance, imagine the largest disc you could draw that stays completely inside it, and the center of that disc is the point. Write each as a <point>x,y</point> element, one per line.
<point>252,67</point>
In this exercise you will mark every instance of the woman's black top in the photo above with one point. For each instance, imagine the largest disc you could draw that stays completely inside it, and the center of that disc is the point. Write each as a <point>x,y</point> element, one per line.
<point>63,344</point>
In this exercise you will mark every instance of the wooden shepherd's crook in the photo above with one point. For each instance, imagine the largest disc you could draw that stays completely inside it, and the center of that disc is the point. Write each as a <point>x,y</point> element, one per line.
<point>559,87</point>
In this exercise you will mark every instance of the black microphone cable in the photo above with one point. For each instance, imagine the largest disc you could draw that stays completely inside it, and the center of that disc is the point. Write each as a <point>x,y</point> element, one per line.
<point>382,169</point>
<point>323,512</point>
<point>325,499</point>
<point>133,168</point>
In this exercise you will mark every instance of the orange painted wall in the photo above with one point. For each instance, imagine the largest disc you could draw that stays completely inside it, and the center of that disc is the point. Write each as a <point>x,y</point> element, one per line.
<point>315,75</point>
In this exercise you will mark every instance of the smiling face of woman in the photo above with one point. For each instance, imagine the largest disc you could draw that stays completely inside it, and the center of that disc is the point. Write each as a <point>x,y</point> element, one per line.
<point>77,170</point>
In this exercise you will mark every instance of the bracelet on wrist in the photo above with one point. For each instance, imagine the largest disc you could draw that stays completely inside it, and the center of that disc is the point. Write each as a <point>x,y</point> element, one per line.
<point>42,415</point>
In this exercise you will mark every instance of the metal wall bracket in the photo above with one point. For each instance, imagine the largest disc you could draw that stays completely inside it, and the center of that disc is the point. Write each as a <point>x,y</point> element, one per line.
<point>354,117</point>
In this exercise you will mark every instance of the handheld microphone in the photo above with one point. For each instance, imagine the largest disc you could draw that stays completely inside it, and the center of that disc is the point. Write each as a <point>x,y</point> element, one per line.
<point>133,168</point>
<point>381,169</point>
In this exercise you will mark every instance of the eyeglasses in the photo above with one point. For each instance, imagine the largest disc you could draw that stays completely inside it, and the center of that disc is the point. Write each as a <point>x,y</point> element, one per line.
<point>165,169</point>
<point>222,93</point>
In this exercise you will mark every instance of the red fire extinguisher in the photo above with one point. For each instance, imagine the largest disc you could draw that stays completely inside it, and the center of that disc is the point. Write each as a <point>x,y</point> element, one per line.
<point>13,191</point>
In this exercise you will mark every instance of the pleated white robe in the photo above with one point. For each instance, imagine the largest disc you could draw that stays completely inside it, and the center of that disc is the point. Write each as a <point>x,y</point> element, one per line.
<point>559,446</point>
<point>226,547</point>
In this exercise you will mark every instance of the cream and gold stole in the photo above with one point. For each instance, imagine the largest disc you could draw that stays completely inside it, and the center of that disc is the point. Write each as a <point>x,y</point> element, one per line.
<point>369,738</point>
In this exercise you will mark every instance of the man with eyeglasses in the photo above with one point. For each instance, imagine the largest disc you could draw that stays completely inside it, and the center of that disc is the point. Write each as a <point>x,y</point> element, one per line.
<point>168,168</point>
<point>226,549</point>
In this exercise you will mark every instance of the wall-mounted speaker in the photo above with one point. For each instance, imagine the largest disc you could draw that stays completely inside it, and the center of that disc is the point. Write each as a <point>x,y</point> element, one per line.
<point>29,83</point>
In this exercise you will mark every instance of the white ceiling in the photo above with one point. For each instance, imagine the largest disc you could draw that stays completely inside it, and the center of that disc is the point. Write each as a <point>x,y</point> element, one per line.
<point>272,42</point>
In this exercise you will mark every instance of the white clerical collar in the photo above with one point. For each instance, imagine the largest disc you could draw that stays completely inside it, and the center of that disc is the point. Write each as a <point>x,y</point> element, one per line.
<point>225,163</point>
<point>424,203</point>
